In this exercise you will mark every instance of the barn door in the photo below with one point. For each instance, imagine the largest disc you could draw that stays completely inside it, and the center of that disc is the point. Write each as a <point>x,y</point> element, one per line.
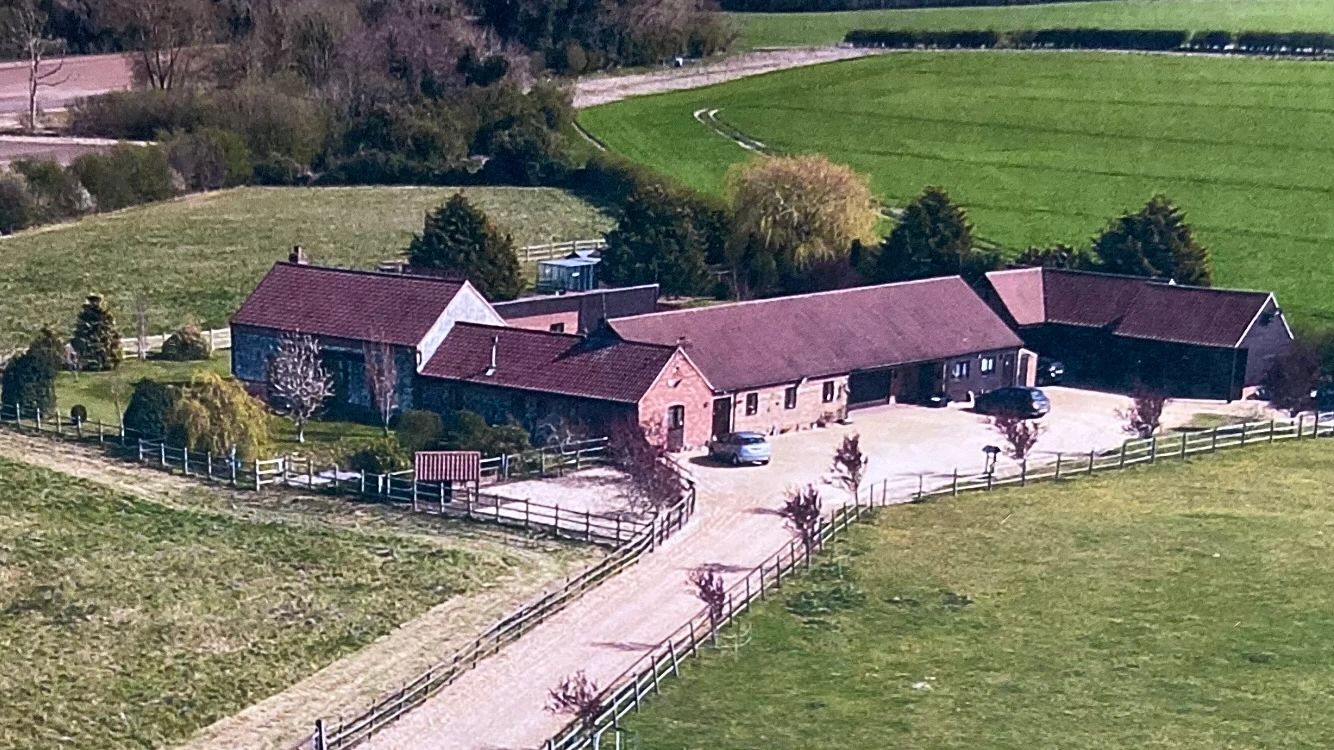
<point>676,427</point>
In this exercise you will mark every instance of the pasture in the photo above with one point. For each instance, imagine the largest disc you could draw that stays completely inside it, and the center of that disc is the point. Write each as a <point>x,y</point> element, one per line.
<point>129,624</point>
<point>802,29</point>
<point>196,258</point>
<point>1046,147</point>
<point>1177,606</point>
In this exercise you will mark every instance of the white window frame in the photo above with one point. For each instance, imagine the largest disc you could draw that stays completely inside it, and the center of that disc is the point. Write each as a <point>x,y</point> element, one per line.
<point>960,369</point>
<point>987,364</point>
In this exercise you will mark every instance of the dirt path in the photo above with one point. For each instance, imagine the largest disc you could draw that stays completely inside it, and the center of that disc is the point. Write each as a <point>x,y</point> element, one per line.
<point>350,684</point>
<point>594,90</point>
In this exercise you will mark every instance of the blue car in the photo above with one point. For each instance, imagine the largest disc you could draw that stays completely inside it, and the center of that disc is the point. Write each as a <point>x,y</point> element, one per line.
<point>738,448</point>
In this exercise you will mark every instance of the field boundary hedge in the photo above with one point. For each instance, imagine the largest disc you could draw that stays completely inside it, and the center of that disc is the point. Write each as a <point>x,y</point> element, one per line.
<point>834,6</point>
<point>1288,44</point>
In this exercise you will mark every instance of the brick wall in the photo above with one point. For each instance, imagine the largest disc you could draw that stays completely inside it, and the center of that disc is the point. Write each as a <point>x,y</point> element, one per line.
<point>680,383</point>
<point>568,319</point>
<point>773,416</point>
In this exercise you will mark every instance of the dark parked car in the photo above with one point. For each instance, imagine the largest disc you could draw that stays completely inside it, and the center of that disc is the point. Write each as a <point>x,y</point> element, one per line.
<point>1050,371</point>
<point>1324,397</point>
<point>1025,403</point>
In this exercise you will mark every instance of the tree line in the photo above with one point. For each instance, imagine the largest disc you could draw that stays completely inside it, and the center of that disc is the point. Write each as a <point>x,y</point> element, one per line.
<point>1149,40</point>
<point>822,6</point>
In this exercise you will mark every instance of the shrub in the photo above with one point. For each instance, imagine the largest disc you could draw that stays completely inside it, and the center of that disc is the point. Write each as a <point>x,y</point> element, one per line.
<point>279,170</point>
<point>218,416</point>
<point>125,176</point>
<point>186,344</point>
<point>138,115</point>
<point>55,190</point>
<point>379,456</point>
<point>150,405</point>
<point>419,430</point>
<point>472,433</point>
<point>96,339</point>
<point>210,159</point>
<point>18,210</point>
<point>28,383</point>
<point>78,413</point>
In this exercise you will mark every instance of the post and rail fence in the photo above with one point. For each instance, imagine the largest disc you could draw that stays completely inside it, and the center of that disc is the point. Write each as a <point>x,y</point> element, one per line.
<point>526,254</point>
<point>627,692</point>
<point>218,338</point>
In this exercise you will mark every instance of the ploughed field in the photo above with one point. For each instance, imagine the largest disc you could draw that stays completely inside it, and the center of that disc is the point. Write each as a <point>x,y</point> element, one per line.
<point>798,29</point>
<point>1178,606</point>
<point>1047,147</point>
<point>195,259</point>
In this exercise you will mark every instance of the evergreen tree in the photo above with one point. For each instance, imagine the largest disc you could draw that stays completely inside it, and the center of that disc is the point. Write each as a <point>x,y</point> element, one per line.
<point>29,383</point>
<point>458,236</point>
<point>50,348</point>
<point>1154,241</point>
<point>657,240</point>
<point>150,405</point>
<point>933,238</point>
<point>1056,256</point>
<point>96,339</point>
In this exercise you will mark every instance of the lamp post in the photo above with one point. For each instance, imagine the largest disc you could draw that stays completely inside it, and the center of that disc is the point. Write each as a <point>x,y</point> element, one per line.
<point>991,452</point>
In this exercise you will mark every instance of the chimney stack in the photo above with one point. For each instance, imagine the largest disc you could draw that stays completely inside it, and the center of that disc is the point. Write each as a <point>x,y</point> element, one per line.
<point>297,256</point>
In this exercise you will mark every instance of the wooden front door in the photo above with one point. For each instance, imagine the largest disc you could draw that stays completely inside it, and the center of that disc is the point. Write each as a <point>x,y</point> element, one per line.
<point>676,427</point>
<point>722,416</point>
<point>1007,369</point>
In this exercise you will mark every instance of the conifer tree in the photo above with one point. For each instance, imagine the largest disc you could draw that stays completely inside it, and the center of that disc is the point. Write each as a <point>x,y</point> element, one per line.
<point>1154,241</point>
<point>458,236</point>
<point>96,339</point>
<point>933,238</point>
<point>657,241</point>
<point>28,383</point>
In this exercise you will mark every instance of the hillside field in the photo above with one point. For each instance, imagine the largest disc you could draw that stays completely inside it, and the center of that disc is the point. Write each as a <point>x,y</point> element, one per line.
<point>129,624</point>
<point>1178,606</point>
<point>196,258</point>
<point>800,29</point>
<point>1047,147</point>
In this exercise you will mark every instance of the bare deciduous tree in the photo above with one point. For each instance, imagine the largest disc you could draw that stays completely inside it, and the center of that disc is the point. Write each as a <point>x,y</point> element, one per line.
<point>576,696</point>
<point>299,380</point>
<point>1145,414</point>
<point>141,326</point>
<point>802,511</point>
<point>710,589</point>
<point>850,464</point>
<point>382,380</point>
<point>560,432</point>
<point>24,24</point>
<point>1020,434</point>
<point>168,33</point>
<point>654,484</point>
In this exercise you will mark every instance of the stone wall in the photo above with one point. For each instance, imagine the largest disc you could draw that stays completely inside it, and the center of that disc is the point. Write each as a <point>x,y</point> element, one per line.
<point>773,417</point>
<point>252,348</point>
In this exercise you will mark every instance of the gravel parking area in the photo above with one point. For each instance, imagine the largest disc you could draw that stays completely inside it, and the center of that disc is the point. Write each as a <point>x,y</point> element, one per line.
<point>599,490</point>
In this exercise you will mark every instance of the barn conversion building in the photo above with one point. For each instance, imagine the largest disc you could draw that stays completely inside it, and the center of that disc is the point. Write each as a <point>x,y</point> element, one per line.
<point>1117,331</point>
<point>793,362</point>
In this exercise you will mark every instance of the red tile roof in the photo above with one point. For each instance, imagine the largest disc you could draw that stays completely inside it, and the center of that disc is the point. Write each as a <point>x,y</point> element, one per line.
<point>1131,306</point>
<point>593,307</point>
<point>604,368</point>
<point>782,340</point>
<point>447,466</point>
<point>1192,315</point>
<point>344,303</point>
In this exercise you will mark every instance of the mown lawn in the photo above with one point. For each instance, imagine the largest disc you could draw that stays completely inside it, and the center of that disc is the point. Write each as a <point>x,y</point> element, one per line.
<point>195,259</point>
<point>1045,148</point>
<point>1169,607</point>
<point>126,624</point>
<point>797,29</point>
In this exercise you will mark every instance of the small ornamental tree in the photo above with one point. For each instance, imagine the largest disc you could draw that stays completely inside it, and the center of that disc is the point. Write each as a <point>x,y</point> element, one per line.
<point>1154,241</point>
<point>151,404</point>
<point>299,380</point>
<point>802,511</point>
<point>576,696</point>
<point>218,416</point>
<point>710,589</point>
<point>933,237</point>
<point>653,484</point>
<point>459,237</point>
<point>96,338</point>
<point>28,384</point>
<point>1293,378</point>
<point>1020,435</point>
<point>382,380</point>
<point>1145,414</point>
<point>850,464</point>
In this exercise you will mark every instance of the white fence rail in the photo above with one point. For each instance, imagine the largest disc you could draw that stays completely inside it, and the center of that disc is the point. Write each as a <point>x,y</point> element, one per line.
<point>218,338</point>
<point>526,254</point>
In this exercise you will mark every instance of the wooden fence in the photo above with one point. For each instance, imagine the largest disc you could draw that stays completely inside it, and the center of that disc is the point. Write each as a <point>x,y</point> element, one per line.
<point>526,254</point>
<point>218,338</point>
<point>542,462</point>
<point>627,692</point>
<point>340,733</point>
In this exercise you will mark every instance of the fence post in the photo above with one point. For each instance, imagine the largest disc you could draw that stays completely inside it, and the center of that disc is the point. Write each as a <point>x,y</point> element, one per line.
<point>232,464</point>
<point>78,428</point>
<point>141,450</point>
<point>162,453</point>
<point>414,493</point>
<point>955,486</point>
<point>320,740</point>
<point>1243,434</point>
<point>100,432</point>
<point>1153,449</point>
<point>1023,472</point>
<point>208,463</point>
<point>588,525</point>
<point>1213,444</point>
<point>1183,445</point>
<point>185,460</point>
<point>362,490</point>
<point>1092,456</point>
<point>1058,465</point>
<point>38,420</point>
<point>310,473</point>
<point>258,485</point>
<point>1271,430</point>
<point>58,428</point>
<point>1300,426</point>
<point>120,421</point>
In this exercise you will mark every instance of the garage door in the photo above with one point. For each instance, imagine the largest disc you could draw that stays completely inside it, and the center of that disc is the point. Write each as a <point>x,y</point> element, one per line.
<point>869,387</point>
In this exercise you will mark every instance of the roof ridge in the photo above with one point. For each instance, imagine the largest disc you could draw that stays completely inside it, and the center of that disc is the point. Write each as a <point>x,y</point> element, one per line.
<point>373,273</point>
<point>578,337</point>
<point>785,298</point>
<point>1216,289</point>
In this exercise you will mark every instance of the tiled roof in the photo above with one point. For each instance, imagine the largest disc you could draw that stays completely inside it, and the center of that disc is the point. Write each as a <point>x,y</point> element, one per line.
<point>782,340</point>
<point>1192,315</point>
<point>593,307</point>
<point>603,368</point>
<point>360,305</point>
<point>1130,306</point>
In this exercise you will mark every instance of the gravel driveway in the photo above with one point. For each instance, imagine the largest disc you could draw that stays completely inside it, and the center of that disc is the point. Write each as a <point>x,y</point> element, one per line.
<point>500,704</point>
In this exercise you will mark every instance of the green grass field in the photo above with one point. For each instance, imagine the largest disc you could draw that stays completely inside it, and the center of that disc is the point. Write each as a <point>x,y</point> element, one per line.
<point>1045,148</point>
<point>198,257</point>
<point>128,624</point>
<point>1169,607</point>
<point>799,29</point>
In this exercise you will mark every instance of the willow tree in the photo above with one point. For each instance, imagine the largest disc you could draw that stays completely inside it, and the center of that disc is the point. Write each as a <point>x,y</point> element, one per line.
<point>797,212</point>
